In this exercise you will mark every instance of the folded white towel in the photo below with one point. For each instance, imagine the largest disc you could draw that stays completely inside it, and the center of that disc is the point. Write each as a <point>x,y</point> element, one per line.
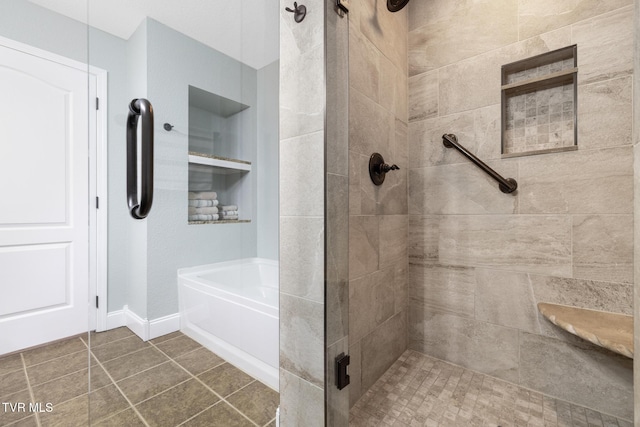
<point>203,195</point>
<point>200,217</point>
<point>230,217</point>
<point>228,213</point>
<point>203,211</point>
<point>229,208</point>
<point>202,203</point>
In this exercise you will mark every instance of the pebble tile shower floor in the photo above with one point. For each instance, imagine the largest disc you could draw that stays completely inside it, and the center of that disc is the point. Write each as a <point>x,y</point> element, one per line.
<point>168,381</point>
<point>419,390</point>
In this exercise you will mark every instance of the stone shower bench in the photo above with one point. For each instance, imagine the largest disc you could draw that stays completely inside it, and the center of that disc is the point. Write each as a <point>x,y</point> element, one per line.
<point>612,331</point>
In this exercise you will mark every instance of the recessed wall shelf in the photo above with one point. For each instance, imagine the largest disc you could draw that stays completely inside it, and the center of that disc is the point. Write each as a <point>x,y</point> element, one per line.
<point>612,331</point>
<point>539,104</point>
<point>221,221</point>
<point>222,165</point>
<point>221,148</point>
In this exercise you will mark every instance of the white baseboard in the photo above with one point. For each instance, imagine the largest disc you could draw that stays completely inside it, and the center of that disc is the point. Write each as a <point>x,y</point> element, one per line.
<point>137,324</point>
<point>145,329</point>
<point>164,325</point>
<point>116,319</point>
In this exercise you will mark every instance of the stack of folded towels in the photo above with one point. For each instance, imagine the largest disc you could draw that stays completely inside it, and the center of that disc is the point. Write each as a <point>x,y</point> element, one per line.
<point>203,206</point>
<point>229,212</point>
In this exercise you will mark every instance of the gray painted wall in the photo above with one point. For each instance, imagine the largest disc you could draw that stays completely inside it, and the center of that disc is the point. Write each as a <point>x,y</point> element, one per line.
<point>160,63</point>
<point>175,62</point>
<point>268,161</point>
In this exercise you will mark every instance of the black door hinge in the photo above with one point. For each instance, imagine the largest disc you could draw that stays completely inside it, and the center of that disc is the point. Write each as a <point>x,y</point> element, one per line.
<point>97,305</point>
<point>97,103</point>
<point>97,202</point>
<point>342,376</point>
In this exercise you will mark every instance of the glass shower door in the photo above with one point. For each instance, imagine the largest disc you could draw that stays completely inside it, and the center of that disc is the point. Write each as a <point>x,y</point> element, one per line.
<point>46,273</point>
<point>191,296</point>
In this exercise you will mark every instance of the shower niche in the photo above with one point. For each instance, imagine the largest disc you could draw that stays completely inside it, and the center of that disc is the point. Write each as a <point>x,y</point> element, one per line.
<point>219,159</point>
<point>539,104</point>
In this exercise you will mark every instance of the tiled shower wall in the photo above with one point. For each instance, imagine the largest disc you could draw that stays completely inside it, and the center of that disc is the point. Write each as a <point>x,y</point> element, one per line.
<point>480,260</point>
<point>378,220</point>
<point>302,128</point>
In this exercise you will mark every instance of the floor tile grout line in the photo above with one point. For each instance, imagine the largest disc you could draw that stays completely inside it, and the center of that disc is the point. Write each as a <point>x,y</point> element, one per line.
<point>54,358</point>
<point>88,344</point>
<point>143,371</point>
<point>144,421</point>
<point>33,399</point>
<point>206,386</point>
<point>123,355</point>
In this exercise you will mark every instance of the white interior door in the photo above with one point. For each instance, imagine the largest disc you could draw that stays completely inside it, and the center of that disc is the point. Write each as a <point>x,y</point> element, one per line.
<point>44,206</point>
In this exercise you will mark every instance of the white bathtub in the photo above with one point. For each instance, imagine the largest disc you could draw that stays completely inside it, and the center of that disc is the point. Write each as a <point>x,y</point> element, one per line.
<point>232,309</point>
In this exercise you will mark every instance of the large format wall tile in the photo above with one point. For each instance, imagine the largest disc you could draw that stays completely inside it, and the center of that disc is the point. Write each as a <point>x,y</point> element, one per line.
<point>393,89</point>
<point>605,46</point>
<point>594,181</point>
<point>424,237</point>
<point>387,31</point>
<point>476,82</point>
<point>426,148</point>
<point>539,244</point>
<point>302,257</point>
<point>382,347</point>
<point>301,403</point>
<point>603,248</point>
<point>480,346</point>
<point>336,261</point>
<point>469,31</point>
<point>506,298</point>
<point>364,62</point>
<point>591,376</point>
<point>364,241</point>
<point>371,300</point>
<point>605,113</point>
<point>355,372</point>
<point>540,16</point>
<point>604,296</point>
<point>371,127</point>
<point>354,183</point>
<point>390,198</point>
<point>423,96</point>
<point>302,185</point>
<point>460,189</point>
<point>398,273</point>
<point>300,115</point>
<point>393,238</point>
<point>302,338</point>
<point>445,289</point>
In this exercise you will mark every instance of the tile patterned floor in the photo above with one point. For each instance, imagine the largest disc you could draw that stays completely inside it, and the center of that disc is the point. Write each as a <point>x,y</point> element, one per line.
<point>168,381</point>
<point>419,390</point>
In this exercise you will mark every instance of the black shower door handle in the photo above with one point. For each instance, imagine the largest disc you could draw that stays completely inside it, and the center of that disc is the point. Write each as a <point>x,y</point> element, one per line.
<point>140,109</point>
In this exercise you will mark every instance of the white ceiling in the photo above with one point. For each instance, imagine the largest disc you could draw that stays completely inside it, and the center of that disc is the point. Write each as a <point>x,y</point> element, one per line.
<point>246,30</point>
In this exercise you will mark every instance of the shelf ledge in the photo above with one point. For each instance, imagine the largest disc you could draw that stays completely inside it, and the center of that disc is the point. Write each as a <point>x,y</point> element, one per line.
<point>612,331</point>
<point>221,221</point>
<point>219,162</point>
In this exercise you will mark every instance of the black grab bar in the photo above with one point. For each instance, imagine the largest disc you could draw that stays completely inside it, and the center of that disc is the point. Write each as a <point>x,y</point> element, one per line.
<point>140,108</point>
<point>508,185</point>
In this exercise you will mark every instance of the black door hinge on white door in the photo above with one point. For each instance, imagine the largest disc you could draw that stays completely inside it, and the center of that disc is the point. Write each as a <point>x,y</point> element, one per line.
<point>97,103</point>
<point>97,305</point>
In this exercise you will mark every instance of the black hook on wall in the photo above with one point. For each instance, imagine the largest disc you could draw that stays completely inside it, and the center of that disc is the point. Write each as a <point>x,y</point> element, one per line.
<point>299,12</point>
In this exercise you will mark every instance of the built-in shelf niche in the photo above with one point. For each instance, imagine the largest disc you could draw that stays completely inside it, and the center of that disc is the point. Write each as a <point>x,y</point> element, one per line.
<point>216,148</point>
<point>539,104</point>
